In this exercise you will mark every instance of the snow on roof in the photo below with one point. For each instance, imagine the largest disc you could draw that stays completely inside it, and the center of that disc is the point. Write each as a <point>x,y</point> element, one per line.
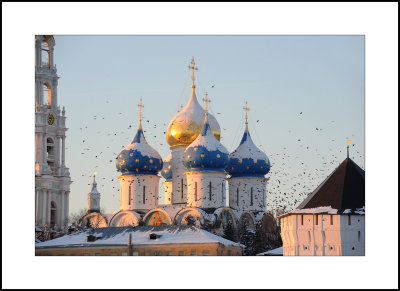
<point>37,229</point>
<point>325,210</point>
<point>170,234</point>
<point>142,146</point>
<point>274,252</point>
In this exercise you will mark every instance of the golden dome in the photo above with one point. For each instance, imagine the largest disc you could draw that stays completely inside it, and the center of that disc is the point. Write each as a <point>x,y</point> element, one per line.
<point>185,126</point>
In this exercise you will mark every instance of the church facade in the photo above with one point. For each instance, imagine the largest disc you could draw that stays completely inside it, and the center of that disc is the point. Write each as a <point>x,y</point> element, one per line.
<point>198,174</point>
<point>52,178</point>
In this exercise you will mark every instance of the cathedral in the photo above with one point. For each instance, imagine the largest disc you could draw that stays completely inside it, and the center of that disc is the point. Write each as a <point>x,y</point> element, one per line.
<point>52,179</point>
<point>198,174</point>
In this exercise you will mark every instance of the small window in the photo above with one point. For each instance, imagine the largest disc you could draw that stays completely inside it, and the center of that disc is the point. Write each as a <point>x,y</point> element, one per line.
<point>195,191</point>
<point>144,194</point>
<point>237,196</point>
<point>323,236</point>
<point>359,235</point>
<point>353,248</point>
<point>349,220</point>
<point>169,253</point>
<point>192,252</point>
<point>229,253</point>
<point>251,196</point>
<point>181,188</point>
<point>157,253</point>
<point>210,188</point>
<point>331,219</point>
<point>222,253</point>
<point>309,236</point>
<point>205,253</point>
<point>316,219</point>
<point>181,253</point>
<point>130,197</point>
<point>222,192</point>
<point>264,197</point>
<point>301,219</point>
<point>125,254</point>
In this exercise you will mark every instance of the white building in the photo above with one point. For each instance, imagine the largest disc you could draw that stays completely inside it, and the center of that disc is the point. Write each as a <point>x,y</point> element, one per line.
<point>331,220</point>
<point>52,179</point>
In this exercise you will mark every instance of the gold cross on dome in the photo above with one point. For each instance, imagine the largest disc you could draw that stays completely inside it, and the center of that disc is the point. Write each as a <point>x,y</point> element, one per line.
<point>246,109</point>
<point>140,105</point>
<point>193,68</point>
<point>206,100</point>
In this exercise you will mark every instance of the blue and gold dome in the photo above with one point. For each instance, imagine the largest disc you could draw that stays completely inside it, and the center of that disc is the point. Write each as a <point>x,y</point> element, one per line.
<point>247,160</point>
<point>139,158</point>
<point>206,153</point>
<point>167,168</point>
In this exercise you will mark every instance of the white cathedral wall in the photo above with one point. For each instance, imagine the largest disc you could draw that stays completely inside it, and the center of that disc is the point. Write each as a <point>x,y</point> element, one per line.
<point>132,189</point>
<point>167,198</point>
<point>241,187</point>
<point>302,235</point>
<point>179,189</point>
<point>203,179</point>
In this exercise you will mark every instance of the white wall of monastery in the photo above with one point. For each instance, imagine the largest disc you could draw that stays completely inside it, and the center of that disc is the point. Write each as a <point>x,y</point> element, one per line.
<point>323,235</point>
<point>199,191</point>
<point>179,189</point>
<point>241,190</point>
<point>167,198</point>
<point>138,192</point>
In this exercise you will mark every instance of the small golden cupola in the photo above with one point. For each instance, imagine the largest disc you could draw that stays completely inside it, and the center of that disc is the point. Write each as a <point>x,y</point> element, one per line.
<point>187,124</point>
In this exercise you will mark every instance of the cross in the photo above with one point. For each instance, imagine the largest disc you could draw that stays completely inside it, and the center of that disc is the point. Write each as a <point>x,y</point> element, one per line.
<point>193,68</point>
<point>140,105</point>
<point>247,109</point>
<point>206,100</point>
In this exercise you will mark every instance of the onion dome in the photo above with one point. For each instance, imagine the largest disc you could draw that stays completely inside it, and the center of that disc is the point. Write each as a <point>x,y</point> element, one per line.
<point>167,168</point>
<point>186,125</point>
<point>206,153</point>
<point>248,160</point>
<point>139,157</point>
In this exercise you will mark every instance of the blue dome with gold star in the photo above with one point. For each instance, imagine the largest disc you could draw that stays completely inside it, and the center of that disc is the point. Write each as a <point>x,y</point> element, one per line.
<point>206,153</point>
<point>139,157</point>
<point>167,168</point>
<point>247,160</point>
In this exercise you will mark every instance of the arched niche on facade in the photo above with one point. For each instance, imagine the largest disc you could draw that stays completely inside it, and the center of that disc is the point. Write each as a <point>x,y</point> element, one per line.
<point>269,223</point>
<point>125,218</point>
<point>225,216</point>
<point>94,219</point>
<point>190,216</point>
<point>157,217</point>
<point>247,221</point>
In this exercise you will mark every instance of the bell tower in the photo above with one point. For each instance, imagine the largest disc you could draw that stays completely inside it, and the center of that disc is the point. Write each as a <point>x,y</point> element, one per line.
<point>52,178</point>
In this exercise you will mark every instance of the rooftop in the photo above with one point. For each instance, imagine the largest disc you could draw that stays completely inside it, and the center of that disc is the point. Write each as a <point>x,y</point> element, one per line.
<point>169,234</point>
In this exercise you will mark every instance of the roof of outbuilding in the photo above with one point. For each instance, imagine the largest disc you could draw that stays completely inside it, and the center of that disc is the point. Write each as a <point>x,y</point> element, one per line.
<point>167,234</point>
<point>343,189</point>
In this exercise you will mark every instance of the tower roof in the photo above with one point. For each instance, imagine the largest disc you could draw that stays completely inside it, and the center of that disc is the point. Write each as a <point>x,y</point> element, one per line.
<point>248,160</point>
<point>139,157</point>
<point>94,186</point>
<point>187,124</point>
<point>206,153</point>
<point>343,189</point>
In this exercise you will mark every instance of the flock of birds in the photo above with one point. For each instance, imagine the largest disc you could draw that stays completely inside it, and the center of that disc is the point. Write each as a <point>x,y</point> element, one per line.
<point>291,177</point>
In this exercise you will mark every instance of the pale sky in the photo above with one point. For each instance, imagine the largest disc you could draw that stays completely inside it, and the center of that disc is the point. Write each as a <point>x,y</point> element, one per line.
<point>321,77</point>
